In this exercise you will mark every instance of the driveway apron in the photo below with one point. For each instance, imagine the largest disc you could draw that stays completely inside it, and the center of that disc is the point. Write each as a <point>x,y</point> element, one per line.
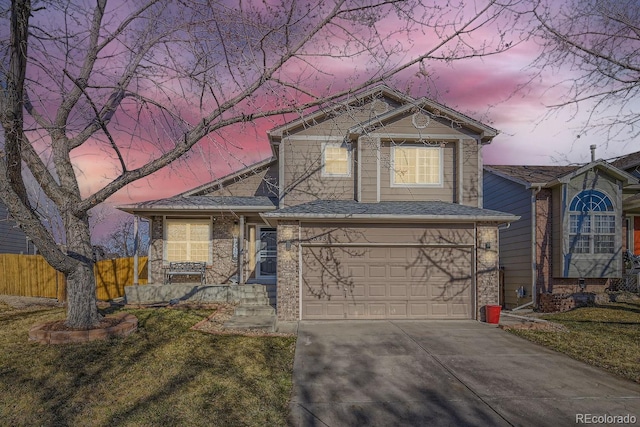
<point>443,373</point>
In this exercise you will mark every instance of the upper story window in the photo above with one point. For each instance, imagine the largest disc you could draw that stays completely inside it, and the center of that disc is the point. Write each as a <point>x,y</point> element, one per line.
<point>336,159</point>
<point>417,165</point>
<point>592,223</point>
<point>187,240</point>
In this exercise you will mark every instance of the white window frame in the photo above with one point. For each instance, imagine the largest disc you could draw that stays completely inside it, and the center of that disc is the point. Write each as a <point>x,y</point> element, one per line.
<point>187,221</point>
<point>340,145</point>
<point>416,147</point>
<point>591,229</point>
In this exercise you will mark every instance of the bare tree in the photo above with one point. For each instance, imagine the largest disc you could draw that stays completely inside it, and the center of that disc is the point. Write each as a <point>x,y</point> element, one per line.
<point>146,80</point>
<point>594,43</point>
<point>121,241</point>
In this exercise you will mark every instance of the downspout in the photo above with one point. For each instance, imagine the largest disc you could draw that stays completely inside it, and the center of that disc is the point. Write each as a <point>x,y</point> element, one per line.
<point>136,278</point>
<point>241,251</point>
<point>534,245</point>
<point>460,155</point>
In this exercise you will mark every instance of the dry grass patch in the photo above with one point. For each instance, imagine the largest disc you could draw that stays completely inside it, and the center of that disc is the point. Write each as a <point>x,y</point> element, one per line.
<point>164,374</point>
<point>607,336</point>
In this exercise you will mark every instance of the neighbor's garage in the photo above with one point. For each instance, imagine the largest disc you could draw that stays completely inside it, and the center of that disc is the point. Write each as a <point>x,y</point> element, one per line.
<point>387,272</point>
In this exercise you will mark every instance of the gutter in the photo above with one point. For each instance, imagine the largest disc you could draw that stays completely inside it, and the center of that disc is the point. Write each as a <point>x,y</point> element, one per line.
<point>503,219</point>
<point>271,218</point>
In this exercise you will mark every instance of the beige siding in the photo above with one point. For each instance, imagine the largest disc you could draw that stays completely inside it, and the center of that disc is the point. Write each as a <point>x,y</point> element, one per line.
<point>263,183</point>
<point>370,179</point>
<point>515,242</point>
<point>404,126</point>
<point>303,180</point>
<point>470,181</point>
<point>338,122</point>
<point>369,163</point>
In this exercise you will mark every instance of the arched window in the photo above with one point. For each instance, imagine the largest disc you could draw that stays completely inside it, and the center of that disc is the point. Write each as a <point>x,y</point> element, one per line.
<point>592,223</point>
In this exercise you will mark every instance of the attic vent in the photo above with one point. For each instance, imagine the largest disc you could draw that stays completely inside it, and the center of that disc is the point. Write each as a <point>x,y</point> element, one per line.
<point>420,120</point>
<point>379,106</point>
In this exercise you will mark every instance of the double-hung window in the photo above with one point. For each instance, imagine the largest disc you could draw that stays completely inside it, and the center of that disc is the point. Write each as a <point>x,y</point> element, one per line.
<point>336,160</point>
<point>417,165</point>
<point>592,223</point>
<point>187,240</point>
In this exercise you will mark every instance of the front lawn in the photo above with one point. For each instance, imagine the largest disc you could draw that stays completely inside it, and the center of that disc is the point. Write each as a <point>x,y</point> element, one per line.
<point>607,336</point>
<point>163,374</point>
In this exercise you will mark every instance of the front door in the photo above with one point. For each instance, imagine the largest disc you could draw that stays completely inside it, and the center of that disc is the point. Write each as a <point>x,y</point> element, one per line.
<point>266,254</point>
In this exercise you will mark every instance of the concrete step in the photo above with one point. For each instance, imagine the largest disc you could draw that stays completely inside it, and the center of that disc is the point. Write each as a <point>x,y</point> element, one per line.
<point>254,310</point>
<point>265,323</point>
<point>253,292</point>
<point>261,300</point>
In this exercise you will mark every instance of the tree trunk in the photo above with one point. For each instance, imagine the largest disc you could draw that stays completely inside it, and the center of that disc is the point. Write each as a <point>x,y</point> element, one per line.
<point>82,311</point>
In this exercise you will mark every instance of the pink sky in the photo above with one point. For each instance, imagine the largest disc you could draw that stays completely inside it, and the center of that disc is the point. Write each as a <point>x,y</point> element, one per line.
<point>483,88</point>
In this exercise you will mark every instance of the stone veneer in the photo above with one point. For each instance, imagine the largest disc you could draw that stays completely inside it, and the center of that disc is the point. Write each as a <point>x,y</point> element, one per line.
<point>487,268</point>
<point>288,291</point>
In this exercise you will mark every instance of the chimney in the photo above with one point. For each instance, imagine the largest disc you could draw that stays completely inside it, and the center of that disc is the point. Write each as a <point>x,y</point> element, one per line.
<point>593,153</point>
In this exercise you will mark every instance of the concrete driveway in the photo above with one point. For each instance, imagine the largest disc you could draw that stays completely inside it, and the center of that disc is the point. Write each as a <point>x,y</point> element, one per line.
<point>453,373</point>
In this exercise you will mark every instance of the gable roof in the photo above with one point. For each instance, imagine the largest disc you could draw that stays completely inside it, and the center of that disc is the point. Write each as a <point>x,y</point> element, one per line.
<point>350,99</point>
<point>436,109</point>
<point>548,176</point>
<point>228,179</point>
<point>204,203</point>
<point>627,161</point>
<point>530,175</point>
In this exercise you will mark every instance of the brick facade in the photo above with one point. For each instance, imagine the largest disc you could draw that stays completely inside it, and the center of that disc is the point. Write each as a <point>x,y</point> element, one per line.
<point>487,268</point>
<point>551,303</point>
<point>288,287</point>
<point>544,254</point>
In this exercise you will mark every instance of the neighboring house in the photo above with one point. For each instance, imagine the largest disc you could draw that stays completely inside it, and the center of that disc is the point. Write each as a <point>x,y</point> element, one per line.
<point>13,240</point>
<point>573,228</point>
<point>369,210</point>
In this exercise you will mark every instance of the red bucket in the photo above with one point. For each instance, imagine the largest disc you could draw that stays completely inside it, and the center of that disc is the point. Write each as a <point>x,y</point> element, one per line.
<point>493,314</point>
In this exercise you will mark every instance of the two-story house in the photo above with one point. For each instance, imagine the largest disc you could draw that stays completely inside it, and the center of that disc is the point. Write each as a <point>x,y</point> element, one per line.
<point>369,209</point>
<point>576,221</point>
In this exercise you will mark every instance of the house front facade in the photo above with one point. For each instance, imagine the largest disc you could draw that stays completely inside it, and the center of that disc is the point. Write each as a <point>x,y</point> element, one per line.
<point>576,222</point>
<point>370,209</point>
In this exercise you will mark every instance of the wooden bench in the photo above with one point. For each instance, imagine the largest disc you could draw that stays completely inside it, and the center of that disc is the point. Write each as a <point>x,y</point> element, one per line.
<point>185,269</point>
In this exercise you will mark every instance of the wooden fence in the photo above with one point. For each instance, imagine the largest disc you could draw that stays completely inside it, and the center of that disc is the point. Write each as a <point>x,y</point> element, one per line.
<point>32,276</point>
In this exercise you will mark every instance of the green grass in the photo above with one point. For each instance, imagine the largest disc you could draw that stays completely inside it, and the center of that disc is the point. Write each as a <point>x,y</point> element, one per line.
<point>607,336</point>
<point>164,374</point>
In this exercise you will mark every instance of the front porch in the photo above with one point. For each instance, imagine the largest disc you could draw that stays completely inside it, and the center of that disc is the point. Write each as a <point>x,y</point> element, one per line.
<point>196,293</point>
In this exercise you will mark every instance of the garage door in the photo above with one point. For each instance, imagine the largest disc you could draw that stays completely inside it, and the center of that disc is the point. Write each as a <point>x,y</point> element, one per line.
<point>386,282</point>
